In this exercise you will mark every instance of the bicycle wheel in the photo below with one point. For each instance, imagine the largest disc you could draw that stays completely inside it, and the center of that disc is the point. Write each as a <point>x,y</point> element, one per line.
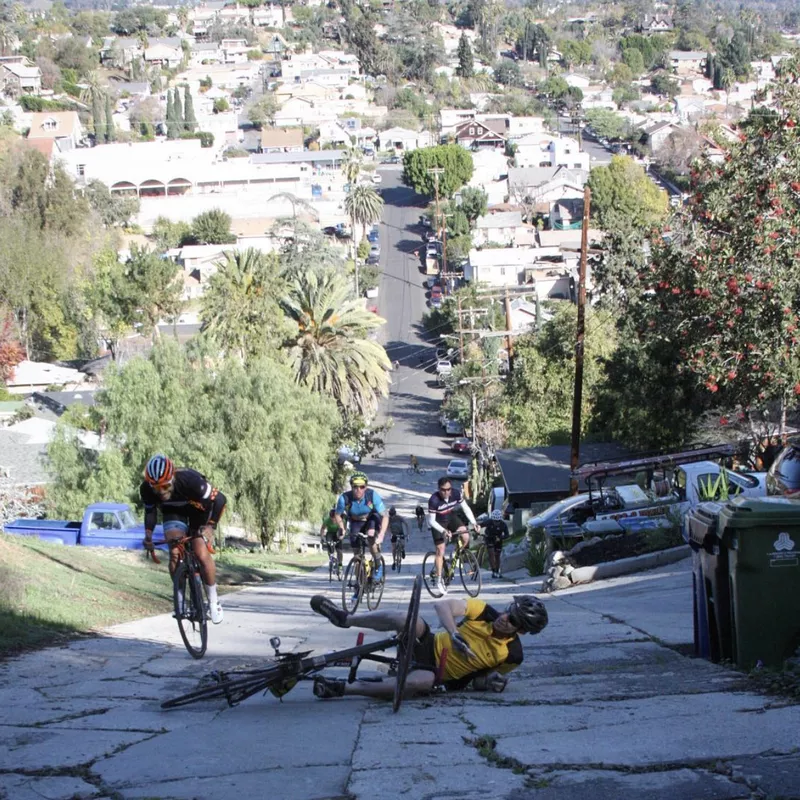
<point>429,574</point>
<point>405,650</point>
<point>353,585</point>
<point>190,610</point>
<point>410,471</point>
<point>421,471</point>
<point>470,572</point>
<point>330,570</point>
<point>375,587</point>
<point>480,557</point>
<point>233,690</point>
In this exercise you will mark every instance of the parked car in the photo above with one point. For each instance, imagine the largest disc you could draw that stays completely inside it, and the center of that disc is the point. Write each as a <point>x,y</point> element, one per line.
<point>453,428</point>
<point>375,249</point>
<point>443,367</point>
<point>430,237</point>
<point>458,469</point>
<point>431,281</point>
<point>377,177</point>
<point>374,235</point>
<point>461,445</point>
<point>347,453</point>
<point>393,160</point>
<point>433,249</point>
<point>424,221</point>
<point>436,297</point>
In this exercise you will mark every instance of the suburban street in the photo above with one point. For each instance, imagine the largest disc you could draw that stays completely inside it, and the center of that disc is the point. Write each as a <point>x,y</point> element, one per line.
<point>414,400</point>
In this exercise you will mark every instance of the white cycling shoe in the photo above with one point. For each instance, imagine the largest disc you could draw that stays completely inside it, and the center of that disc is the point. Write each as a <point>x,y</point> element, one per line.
<point>215,609</point>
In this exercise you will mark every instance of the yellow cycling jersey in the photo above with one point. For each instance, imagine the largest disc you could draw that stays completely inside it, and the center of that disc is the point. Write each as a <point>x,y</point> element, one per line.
<point>491,653</point>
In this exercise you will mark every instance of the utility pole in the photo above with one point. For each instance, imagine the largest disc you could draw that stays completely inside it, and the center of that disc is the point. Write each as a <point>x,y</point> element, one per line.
<point>577,396</point>
<point>460,333</point>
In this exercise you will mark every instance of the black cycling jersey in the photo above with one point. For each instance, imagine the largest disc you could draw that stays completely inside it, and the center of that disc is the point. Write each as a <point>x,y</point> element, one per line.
<point>496,530</point>
<point>442,506</point>
<point>193,499</point>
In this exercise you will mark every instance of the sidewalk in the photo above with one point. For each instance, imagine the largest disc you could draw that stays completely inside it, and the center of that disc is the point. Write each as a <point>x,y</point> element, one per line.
<point>605,706</point>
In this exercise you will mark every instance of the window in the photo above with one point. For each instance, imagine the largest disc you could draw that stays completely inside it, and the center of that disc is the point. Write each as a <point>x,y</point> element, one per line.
<point>81,170</point>
<point>472,131</point>
<point>577,166</point>
<point>502,271</point>
<point>49,124</point>
<point>104,521</point>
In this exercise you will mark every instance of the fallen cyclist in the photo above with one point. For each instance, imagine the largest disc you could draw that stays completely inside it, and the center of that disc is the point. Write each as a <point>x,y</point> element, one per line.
<point>481,648</point>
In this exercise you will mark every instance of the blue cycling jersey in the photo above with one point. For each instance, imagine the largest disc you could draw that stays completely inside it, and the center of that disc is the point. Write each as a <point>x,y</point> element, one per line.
<point>360,509</point>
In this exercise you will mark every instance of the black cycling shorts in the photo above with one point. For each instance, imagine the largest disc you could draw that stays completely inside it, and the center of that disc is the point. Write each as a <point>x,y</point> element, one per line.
<point>333,542</point>
<point>495,543</point>
<point>424,656</point>
<point>370,526</point>
<point>398,537</point>
<point>452,522</point>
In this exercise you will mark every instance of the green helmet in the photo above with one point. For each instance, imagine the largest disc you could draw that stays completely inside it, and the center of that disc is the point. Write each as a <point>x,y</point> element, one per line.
<point>359,479</point>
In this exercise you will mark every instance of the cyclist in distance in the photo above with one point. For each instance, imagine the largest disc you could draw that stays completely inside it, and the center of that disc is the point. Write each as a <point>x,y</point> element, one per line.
<point>496,532</point>
<point>419,513</point>
<point>366,513</point>
<point>448,513</point>
<point>481,648</point>
<point>397,526</point>
<point>190,506</point>
<point>331,534</point>
<point>413,463</point>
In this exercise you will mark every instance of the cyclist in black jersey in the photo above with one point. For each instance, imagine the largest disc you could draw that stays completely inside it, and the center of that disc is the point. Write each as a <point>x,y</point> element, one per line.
<point>190,506</point>
<point>397,527</point>
<point>448,513</point>
<point>496,532</point>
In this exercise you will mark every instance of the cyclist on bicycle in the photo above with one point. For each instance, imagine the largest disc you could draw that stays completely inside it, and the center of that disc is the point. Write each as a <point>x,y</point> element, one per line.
<point>496,532</point>
<point>448,513</point>
<point>413,463</point>
<point>419,512</point>
<point>190,506</point>
<point>481,648</point>
<point>365,513</point>
<point>332,535</point>
<point>397,527</point>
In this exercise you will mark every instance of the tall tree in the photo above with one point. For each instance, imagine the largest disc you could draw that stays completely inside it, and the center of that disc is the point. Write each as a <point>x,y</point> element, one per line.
<point>170,116</point>
<point>330,350</point>
<point>240,308</point>
<point>466,63</point>
<point>177,110</point>
<point>189,118</point>
<point>725,287</point>
<point>98,119</point>
<point>622,188</point>
<point>364,206</point>
<point>452,158</point>
<point>212,227</point>
<point>352,163</point>
<point>155,283</point>
<point>110,133</point>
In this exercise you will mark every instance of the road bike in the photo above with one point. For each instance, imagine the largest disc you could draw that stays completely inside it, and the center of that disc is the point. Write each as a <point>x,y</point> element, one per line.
<point>462,560</point>
<point>415,471</point>
<point>334,567</point>
<point>288,669</point>
<point>399,553</point>
<point>359,578</point>
<point>190,602</point>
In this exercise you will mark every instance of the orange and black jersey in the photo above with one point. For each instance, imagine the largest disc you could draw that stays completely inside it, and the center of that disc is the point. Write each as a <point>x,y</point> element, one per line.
<point>491,653</point>
<point>193,499</point>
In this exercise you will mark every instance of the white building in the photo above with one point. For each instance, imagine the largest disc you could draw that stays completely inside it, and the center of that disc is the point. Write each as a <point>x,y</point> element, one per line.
<point>516,267</point>
<point>401,140</point>
<point>548,150</point>
<point>501,228</point>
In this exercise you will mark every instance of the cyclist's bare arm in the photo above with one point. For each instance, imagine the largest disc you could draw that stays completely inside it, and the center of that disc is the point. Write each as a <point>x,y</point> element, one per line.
<point>448,610</point>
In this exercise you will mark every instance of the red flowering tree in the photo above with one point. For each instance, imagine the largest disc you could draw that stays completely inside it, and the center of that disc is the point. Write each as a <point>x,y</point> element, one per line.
<point>11,352</point>
<point>724,281</point>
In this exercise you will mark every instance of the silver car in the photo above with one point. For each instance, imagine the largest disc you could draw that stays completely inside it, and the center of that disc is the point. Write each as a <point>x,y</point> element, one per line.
<point>458,469</point>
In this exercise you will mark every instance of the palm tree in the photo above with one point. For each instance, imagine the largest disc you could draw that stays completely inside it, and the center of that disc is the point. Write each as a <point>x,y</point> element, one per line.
<point>240,305</point>
<point>351,164</point>
<point>330,351</point>
<point>364,206</point>
<point>296,201</point>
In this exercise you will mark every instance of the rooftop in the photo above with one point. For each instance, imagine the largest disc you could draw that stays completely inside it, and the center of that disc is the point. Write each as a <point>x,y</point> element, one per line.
<point>502,219</point>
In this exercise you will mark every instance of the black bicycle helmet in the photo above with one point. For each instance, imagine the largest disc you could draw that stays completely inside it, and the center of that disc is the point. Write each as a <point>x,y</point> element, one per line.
<point>392,511</point>
<point>528,614</point>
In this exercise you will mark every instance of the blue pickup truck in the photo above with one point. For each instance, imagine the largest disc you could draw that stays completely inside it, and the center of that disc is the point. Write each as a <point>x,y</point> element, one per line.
<point>103,525</point>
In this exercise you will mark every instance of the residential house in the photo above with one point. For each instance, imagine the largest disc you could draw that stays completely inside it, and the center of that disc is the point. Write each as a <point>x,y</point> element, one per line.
<point>233,15</point>
<point>451,118</point>
<point>475,135</point>
<point>234,51</point>
<point>135,89</point>
<point>657,134</point>
<point>301,111</point>
<point>655,23</point>
<point>205,53</point>
<point>687,62</point>
<point>514,266</point>
<point>310,90</point>
<point>500,228</point>
<point>402,140</point>
<point>273,16</point>
<point>281,140</point>
<point>33,376</point>
<point>578,81</point>
<point>163,55</point>
<point>599,96</point>
<point>21,77</point>
<point>548,150</point>
<point>276,44</point>
<point>566,214</point>
<point>689,108</point>
<point>545,186</point>
<point>346,132</point>
<point>62,127</point>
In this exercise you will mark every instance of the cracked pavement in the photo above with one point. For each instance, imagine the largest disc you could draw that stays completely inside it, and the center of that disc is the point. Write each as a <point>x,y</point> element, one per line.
<point>604,705</point>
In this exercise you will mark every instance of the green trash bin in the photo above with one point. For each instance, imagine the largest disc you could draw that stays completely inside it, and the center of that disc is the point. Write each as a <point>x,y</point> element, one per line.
<point>762,536</point>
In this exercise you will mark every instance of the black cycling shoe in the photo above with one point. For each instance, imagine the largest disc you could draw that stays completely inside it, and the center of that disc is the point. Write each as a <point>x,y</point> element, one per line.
<point>335,615</point>
<point>328,688</point>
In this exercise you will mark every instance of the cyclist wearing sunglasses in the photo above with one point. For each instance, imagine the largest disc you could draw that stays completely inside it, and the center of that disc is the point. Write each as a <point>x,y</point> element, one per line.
<point>448,513</point>
<point>481,649</point>
<point>190,506</point>
<point>366,513</point>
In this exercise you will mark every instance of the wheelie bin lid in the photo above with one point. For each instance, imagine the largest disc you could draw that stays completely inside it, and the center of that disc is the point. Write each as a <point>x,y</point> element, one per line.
<point>753,512</point>
<point>703,520</point>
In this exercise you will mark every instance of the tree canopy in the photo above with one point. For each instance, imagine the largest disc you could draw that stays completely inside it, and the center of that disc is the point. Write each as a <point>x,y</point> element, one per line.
<point>452,158</point>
